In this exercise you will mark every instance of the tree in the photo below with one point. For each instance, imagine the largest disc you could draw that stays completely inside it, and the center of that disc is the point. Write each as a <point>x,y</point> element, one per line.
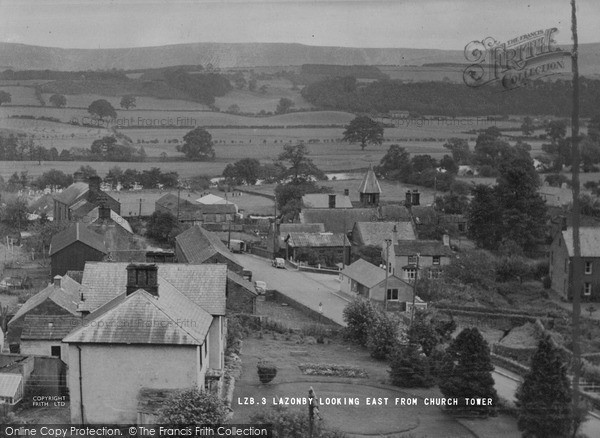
<point>593,128</point>
<point>556,130</point>
<point>544,397</point>
<point>468,372</point>
<point>193,406</point>
<point>245,171</point>
<point>452,203</point>
<point>102,108</point>
<point>198,145</point>
<point>382,337</point>
<point>163,227</point>
<point>474,268</point>
<point>448,164</point>
<point>252,85</point>
<point>363,130</point>
<point>4,97</point>
<point>87,172</point>
<point>284,106</point>
<point>420,163</point>
<point>302,168</point>
<point>395,164</point>
<point>409,368</point>
<point>358,314</point>
<point>459,147</point>
<point>128,101</point>
<point>14,212</point>
<point>484,216</point>
<point>53,178</point>
<point>427,331</point>
<point>527,127</point>
<point>58,100</point>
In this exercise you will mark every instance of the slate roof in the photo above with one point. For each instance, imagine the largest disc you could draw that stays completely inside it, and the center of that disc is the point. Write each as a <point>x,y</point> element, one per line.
<point>212,199</point>
<point>338,220</point>
<point>204,285</point>
<point>589,238</point>
<point>142,318</point>
<point>394,212</point>
<point>365,273</point>
<point>9,384</point>
<point>198,245</point>
<point>170,201</point>
<point>314,240</point>
<point>81,208</point>
<point>48,327</point>
<point>94,216</point>
<point>66,296</point>
<point>369,183</point>
<point>423,247</point>
<point>284,229</point>
<point>375,233</point>
<point>76,232</point>
<point>238,279</point>
<point>321,200</point>
<point>72,193</point>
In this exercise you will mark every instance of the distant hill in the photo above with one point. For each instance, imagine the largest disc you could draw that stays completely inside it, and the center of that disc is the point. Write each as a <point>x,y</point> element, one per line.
<point>226,55</point>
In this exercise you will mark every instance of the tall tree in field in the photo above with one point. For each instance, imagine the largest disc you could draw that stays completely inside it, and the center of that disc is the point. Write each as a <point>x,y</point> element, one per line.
<point>395,164</point>
<point>284,106</point>
<point>459,147</point>
<point>544,397</point>
<point>364,130</point>
<point>527,126</point>
<point>198,145</point>
<point>468,372</point>
<point>128,101</point>
<point>245,171</point>
<point>301,166</point>
<point>58,100</point>
<point>102,108</point>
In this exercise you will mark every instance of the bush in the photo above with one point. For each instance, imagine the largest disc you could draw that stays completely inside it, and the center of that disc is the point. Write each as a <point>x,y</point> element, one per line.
<point>193,406</point>
<point>382,336</point>
<point>510,268</point>
<point>266,371</point>
<point>292,424</point>
<point>359,314</point>
<point>409,368</point>
<point>235,333</point>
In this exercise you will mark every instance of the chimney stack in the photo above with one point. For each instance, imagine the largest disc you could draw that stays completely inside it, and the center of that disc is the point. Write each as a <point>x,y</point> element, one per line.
<point>142,276</point>
<point>332,201</point>
<point>103,212</point>
<point>94,184</point>
<point>56,281</point>
<point>446,240</point>
<point>416,197</point>
<point>346,192</point>
<point>78,177</point>
<point>408,199</point>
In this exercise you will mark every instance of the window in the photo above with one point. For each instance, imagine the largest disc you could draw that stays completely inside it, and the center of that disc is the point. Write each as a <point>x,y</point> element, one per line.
<point>461,227</point>
<point>437,260</point>
<point>588,267</point>
<point>389,268</point>
<point>587,289</point>
<point>410,274</point>
<point>55,351</point>
<point>392,294</point>
<point>412,260</point>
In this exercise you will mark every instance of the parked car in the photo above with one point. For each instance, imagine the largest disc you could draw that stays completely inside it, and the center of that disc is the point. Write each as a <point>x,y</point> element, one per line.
<point>278,263</point>
<point>260,287</point>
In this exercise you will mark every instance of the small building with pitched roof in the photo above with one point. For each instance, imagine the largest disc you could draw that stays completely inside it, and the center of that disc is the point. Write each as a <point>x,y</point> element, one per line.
<point>80,198</point>
<point>72,247</point>
<point>198,246</point>
<point>364,279</point>
<point>160,326</point>
<point>333,246</point>
<point>561,262</point>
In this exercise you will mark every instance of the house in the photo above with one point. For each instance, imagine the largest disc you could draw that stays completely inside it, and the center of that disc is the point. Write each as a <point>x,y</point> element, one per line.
<point>332,248</point>
<point>241,294</point>
<point>338,220</point>
<point>194,212</point>
<point>326,200</point>
<point>364,279</point>
<point>42,335</point>
<point>375,233</point>
<point>428,255</point>
<point>72,247</point>
<point>150,326</point>
<point>369,189</point>
<point>197,245</point>
<point>80,198</point>
<point>59,299</point>
<point>561,262</point>
<point>11,389</point>
<point>285,229</point>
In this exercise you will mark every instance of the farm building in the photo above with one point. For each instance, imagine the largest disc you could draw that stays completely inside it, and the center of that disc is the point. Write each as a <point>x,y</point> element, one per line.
<point>80,198</point>
<point>58,299</point>
<point>561,264</point>
<point>364,279</point>
<point>197,245</point>
<point>182,347</point>
<point>72,248</point>
<point>329,248</point>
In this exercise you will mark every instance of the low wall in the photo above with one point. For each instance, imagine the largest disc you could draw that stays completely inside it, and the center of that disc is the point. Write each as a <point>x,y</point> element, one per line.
<point>294,265</point>
<point>261,252</point>
<point>275,295</point>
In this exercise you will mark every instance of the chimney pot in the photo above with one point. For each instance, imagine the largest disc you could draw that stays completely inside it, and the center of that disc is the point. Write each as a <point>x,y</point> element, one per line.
<point>142,276</point>
<point>57,279</point>
<point>416,197</point>
<point>408,199</point>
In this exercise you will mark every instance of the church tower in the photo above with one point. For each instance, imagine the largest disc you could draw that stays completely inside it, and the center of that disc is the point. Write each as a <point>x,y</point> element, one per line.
<point>369,189</point>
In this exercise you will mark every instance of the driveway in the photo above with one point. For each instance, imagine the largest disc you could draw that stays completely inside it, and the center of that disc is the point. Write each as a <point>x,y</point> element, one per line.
<point>306,288</point>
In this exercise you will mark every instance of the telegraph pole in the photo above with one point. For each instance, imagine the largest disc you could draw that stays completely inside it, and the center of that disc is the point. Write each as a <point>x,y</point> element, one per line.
<point>388,243</point>
<point>576,264</point>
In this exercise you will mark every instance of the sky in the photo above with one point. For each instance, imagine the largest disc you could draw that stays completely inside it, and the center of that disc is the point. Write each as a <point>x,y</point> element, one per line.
<point>429,24</point>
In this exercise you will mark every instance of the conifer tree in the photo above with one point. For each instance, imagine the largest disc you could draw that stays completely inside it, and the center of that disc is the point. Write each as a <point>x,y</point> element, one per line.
<point>467,373</point>
<point>544,397</point>
<point>409,368</point>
